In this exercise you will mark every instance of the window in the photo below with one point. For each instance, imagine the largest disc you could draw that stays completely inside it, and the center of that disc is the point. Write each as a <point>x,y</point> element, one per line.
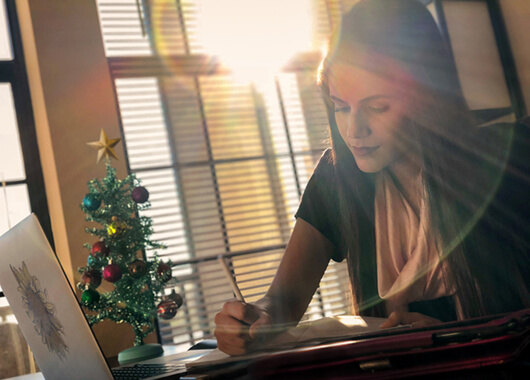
<point>226,159</point>
<point>483,57</point>
<point>21,183</point>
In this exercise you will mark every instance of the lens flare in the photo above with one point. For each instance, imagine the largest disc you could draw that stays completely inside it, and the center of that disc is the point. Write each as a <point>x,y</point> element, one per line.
<point>255,38</point>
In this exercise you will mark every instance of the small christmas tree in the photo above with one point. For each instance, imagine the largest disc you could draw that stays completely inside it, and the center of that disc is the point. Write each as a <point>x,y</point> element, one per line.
<point>116,254</point>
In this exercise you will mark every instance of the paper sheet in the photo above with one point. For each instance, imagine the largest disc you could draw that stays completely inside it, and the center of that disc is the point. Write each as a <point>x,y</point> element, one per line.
<point>310,332</point>
<point>329,327</point>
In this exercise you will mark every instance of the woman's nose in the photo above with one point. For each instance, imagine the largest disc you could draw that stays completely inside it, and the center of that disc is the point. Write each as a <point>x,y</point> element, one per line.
<point>358,126</point>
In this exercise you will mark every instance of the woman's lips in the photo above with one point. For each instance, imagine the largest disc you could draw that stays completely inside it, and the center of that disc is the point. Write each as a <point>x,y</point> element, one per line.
<point>363,151</point>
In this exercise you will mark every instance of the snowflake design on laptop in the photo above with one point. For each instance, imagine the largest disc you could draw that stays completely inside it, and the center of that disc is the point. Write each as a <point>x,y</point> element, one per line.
<point>40,311</point>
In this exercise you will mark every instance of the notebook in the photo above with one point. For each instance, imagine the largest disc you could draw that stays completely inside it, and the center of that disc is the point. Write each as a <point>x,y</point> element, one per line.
<point>51,318</point>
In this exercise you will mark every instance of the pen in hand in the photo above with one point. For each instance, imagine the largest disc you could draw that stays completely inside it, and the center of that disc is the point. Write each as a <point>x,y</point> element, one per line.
<point>254,314</point>
<point>231,279</point>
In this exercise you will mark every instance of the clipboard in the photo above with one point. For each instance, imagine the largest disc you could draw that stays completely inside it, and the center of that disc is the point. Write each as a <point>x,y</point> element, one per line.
<point>490,343</point>
<point>458,346</point>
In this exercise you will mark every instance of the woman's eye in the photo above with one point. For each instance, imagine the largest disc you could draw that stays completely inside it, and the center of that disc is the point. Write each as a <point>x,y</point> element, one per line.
<point>379,108</point>
<point>342,109</point>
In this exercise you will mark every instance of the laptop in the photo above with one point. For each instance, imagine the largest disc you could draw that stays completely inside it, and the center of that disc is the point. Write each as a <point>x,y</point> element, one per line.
<point>51,318</point>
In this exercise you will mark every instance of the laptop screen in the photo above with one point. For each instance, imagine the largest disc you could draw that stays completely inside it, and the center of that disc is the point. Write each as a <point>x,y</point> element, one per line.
<point>46,307</point>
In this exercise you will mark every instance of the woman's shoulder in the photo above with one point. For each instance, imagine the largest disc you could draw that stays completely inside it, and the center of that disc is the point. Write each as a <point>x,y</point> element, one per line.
<point>323,177</point>
<point>325,163</point>
<point>319,206</point>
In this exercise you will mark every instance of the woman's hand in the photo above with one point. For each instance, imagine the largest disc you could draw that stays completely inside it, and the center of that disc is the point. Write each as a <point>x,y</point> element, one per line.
<point>240,325</point>
<point>405,318</point>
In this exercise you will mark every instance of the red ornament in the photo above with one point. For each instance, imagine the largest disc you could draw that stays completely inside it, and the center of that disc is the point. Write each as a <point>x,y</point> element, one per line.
<point>99,248</point>
<point>112,273</point>
<point>164,271</point>
<point>92,278</point>
<point>140,194</point>
<point>166,309</point>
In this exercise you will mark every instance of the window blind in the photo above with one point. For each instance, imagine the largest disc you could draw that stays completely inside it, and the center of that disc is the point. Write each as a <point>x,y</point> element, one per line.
<point>225,161</point>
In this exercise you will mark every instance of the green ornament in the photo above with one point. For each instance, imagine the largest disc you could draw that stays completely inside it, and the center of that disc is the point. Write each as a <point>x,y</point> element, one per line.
<point>91,202</point>
<point>92,261</point>
<point>89,297</point>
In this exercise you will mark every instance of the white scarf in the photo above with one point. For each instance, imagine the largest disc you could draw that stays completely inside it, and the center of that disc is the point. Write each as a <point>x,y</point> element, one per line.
<point>408,266</point>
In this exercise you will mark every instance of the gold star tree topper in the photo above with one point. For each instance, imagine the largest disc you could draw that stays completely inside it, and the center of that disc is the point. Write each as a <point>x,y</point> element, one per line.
<point>104,146</point>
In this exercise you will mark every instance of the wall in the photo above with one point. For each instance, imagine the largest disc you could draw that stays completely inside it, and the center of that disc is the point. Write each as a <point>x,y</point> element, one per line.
<point>516,14</point>
<point>73,98</point>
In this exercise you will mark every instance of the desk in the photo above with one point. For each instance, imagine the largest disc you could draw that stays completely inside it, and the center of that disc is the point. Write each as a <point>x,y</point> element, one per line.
<point>511,371</point>
<point>490,347</point>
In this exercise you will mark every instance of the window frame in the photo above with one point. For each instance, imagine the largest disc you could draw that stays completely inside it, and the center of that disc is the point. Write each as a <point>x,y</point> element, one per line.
<point>14,73</point>
<point>503,46</point>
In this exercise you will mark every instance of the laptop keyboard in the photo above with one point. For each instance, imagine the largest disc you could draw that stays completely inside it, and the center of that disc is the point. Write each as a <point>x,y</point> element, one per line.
<point>143,371</point>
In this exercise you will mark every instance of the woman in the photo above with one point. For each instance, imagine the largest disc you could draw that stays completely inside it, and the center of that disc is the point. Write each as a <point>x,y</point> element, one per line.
<point>415,197</point>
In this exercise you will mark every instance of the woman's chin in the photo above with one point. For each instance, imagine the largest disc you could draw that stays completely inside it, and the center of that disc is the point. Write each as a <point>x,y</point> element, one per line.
<point>369,166</point>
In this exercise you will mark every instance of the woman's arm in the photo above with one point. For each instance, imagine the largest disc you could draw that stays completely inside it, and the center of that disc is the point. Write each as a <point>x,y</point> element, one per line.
<point>302,266</point>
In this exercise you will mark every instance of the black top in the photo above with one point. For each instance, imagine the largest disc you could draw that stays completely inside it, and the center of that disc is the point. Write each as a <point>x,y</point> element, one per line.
<point>319,205</point>
<point>504,222</point>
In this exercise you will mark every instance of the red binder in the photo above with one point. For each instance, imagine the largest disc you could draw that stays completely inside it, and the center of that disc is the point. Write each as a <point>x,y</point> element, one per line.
<point>495,343</point>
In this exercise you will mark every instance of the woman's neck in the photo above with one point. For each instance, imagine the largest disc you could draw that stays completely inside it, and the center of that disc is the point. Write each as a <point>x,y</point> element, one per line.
<point>406,175</point>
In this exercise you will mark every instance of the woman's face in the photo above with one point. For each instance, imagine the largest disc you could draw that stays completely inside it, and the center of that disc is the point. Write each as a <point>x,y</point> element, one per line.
<point>370,110</point>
